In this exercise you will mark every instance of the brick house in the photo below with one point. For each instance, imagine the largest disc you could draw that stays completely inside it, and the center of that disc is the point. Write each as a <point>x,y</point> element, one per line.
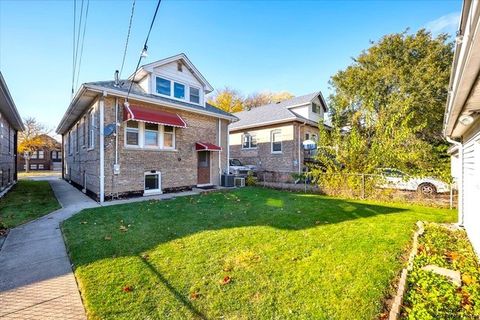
<point>164,139</point>
<point>10,124</point>
<point>271,137</point>
<point>47,158</point>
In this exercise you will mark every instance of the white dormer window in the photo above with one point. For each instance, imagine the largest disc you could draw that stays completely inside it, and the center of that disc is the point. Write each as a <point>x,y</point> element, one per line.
<point>163,86</point>
<point>194,95</point>
<point>179,90</point>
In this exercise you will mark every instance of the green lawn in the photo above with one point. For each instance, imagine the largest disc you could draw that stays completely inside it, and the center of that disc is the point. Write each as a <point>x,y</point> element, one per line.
<point>248,254</point>
<point>26,201</point>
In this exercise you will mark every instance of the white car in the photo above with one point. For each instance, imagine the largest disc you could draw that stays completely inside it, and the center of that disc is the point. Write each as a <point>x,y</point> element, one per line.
<point>397,179</point>
<point>239,169</point>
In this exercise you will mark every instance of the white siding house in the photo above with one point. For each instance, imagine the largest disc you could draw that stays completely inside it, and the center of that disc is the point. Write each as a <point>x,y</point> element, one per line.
<point>462,121</point>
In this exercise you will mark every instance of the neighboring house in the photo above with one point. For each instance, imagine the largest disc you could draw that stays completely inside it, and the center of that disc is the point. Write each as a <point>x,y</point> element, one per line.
<point>271,137</point>
<point>10,124</point>
<point>47,158</point>
<point>462,119</point>
<point>168,138</point>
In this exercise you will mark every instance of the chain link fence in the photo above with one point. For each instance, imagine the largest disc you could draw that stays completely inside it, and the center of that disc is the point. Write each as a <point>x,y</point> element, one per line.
<point>354,185</point>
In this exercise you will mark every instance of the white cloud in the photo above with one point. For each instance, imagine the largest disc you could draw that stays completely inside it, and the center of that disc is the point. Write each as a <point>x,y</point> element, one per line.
<point>447,23</point>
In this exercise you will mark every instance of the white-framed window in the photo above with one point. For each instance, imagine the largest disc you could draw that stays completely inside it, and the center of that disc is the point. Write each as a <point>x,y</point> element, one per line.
<point>168,137</point>
<point>69,142</point>
<point>77,137</point>
<point>84,131</point>
<point>41,154</point>
<point>33,155</point>
<point>149,135</point>
<point>163,86</point>
<point>179,90</point>
<point>152,182</point>
<point>276,141</point>
<point>33,166</point>
<point>24,167</point>
<point>194,95</point>
<point>132,135</point>
<point>249,141</point>
<point>91,130</point>
<point>315,108</point>
<point>41,166</point>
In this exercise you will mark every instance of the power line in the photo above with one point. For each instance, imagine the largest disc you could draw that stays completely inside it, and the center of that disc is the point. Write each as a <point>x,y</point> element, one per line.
<point>83,40</point>
<point>128,37</point>
<point>73,49</point>
<point>77,42</point>
<point>144,50</point>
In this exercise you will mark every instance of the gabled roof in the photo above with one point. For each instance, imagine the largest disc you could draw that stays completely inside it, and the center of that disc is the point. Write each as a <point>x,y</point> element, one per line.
<point>276,112</point>
<point>89,91</point>
<point>148,68</point>
<point>8,108</point>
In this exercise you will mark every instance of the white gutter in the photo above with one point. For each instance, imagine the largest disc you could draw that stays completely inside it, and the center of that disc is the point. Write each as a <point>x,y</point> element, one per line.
<point>267,123</point>
<point>117,126</point>
<point>102,148</point>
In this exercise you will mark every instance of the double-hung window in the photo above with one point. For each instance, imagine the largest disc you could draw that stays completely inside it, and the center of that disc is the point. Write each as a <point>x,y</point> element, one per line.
<point>178,90</point>
<point>168,137</point>
<point>249,141</point>
<point>151,135</point>
<point>41,154</point>
<point>163,86</point>
<point>276,141</point>
<point>194,95</point>
<point>91,131</point>
<point>132,133</point>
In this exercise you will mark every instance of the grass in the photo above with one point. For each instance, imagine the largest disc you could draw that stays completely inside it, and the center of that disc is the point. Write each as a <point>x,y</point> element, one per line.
<point>431,296</point>
<point>26,201</point>
<point>249,254</point>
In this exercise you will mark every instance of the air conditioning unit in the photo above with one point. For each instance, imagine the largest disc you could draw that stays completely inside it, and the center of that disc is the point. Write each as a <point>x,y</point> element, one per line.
<point>228,180</point>
<point>239,182</point>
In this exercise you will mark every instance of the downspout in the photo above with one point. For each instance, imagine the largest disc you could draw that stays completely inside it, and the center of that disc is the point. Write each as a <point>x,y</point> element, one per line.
<point>300,148</point>
<point>228,151</point>
<point>219,152</point>
<point>460,183</point>
<point>102,148</point>
<point>116,131</point>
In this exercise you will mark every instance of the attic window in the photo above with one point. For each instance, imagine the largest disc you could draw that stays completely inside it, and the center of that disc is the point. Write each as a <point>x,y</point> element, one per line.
<point>179,66</point>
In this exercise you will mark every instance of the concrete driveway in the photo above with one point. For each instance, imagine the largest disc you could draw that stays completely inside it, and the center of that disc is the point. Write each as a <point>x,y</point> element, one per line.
<point>36,278</point>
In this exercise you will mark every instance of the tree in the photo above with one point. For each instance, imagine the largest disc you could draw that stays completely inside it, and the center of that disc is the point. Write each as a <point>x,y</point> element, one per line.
<point>258,99</point>
<point>32,139</point>
<point>227,99</point>
<point>387,107</point>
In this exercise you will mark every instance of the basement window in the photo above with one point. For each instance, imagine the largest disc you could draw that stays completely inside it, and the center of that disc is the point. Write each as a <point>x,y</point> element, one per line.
<point>152,182</point>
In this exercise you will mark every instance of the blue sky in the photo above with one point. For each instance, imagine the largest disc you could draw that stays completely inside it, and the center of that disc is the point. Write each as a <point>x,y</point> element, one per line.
<point>248,45</point>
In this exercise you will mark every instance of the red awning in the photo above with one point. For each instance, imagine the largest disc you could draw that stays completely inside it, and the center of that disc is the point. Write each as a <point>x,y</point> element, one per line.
<point>205,146</point>
<point>138,113</point>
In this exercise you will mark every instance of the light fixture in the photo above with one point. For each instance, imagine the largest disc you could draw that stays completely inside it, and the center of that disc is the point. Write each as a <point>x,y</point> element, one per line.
<point>144,53</point>
<point>466,119</point>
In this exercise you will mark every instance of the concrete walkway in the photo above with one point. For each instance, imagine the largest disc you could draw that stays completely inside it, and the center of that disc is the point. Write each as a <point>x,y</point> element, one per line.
<point>36,278</point>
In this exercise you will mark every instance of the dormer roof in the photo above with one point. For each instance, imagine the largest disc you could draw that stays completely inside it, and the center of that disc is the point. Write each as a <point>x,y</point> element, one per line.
<point>148,68</point>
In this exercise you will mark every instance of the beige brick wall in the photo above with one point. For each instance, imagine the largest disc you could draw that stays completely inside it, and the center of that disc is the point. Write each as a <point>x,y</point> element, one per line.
<point>178,167</point>
<point>7,154</point>
<point>287,161</point>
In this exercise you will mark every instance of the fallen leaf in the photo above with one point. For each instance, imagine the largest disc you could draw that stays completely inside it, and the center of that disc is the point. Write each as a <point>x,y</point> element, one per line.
<point>127,289</point>
<point>145,256</point>
<point>226,280</point>
<point>123,228</point>
<point>83,222</point>
<point>108,238</point>
<point>194,295</point>
<point>467,279</point>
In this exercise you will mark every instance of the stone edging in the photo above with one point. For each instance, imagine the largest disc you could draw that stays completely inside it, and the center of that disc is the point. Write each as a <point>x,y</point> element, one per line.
<point>398,300</point>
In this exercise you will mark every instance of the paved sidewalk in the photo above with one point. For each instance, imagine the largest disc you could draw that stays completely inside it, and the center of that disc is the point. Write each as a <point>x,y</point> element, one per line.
<point>36,279</point>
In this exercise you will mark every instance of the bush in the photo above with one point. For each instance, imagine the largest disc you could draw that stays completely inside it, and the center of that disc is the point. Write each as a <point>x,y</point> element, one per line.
<point>250,180</point>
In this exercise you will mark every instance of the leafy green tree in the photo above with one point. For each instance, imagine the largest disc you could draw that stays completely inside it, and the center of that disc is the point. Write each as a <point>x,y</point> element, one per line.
<point>387,106</point>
